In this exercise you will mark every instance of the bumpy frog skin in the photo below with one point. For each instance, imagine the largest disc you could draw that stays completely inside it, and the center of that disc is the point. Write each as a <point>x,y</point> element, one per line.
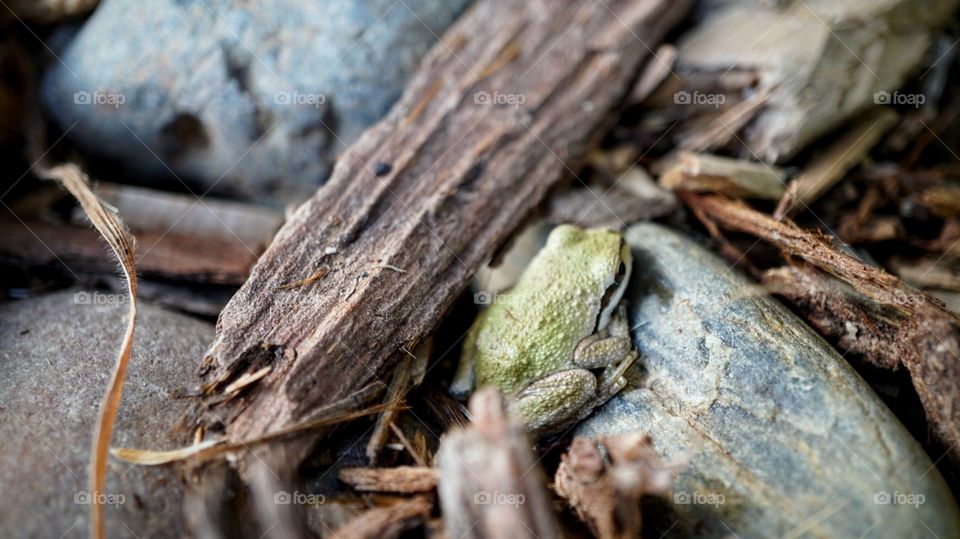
<point>539,342</point>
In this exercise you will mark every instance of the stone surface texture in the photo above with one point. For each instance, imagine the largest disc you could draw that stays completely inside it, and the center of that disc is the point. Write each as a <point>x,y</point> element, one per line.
<point>56,353</point>
<point>776,434</point>
<point>249,99</point>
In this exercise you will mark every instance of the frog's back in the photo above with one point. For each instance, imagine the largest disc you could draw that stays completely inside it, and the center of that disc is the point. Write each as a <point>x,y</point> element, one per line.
<point>531,331</point>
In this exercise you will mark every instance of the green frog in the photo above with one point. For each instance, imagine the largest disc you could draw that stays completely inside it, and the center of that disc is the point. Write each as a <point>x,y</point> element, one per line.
<point>558,343</point>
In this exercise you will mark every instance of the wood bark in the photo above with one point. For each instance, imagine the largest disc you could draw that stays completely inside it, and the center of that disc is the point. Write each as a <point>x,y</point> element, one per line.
<point>501,110</point>
<point>488,481</point>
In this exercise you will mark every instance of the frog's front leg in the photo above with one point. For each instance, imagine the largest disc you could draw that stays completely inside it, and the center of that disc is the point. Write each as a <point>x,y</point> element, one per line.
<point>613,351</point>
<point>556,400</point>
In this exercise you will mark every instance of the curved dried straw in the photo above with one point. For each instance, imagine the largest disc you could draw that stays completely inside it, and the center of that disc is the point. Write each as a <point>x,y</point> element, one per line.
<point>121,242</point>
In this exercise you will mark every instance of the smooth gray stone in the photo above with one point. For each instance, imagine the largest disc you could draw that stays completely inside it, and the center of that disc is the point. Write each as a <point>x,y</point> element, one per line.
<point>780,436</point>
<point>231,89</point>
<point>55,358</point>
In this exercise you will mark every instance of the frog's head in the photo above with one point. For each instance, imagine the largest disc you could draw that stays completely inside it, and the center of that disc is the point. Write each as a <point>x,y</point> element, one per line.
<point>603,256</point>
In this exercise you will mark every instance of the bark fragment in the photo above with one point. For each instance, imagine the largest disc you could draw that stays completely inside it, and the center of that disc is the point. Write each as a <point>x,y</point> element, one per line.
<point>734,177</point>
<point>402,479</point>
<point>387,522</point>
<point>489,484</point>
<point>603,481</point>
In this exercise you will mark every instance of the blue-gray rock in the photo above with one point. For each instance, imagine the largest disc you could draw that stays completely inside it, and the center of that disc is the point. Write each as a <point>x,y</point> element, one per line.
<point>778,435</point>
<point>252,99</point>
<point>56,353</point>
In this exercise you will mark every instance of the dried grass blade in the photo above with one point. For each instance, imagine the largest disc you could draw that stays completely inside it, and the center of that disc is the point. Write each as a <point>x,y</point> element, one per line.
<point>213,448</point>
<point>121,242</point>
<point>146,457</point>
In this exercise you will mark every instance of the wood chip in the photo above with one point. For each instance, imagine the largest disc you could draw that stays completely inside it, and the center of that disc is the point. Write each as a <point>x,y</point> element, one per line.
<point>604,480</point>
<point>927,274</point>
<point>387,522</point>
<point>943,200</point>
<point>38,245</point>
<point>402,479</point>
<point>489,483</point>
<point>656,71</point>
<point>733,177</point>
<point>408,374</point>
<point>185,214</point>
<point>723,128</point>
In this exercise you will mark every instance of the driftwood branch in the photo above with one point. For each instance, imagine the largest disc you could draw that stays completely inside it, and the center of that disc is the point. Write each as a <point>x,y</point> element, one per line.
<point>500,111</point>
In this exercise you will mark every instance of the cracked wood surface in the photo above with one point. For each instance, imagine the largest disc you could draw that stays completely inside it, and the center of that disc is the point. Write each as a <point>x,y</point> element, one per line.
<point>500,111</point>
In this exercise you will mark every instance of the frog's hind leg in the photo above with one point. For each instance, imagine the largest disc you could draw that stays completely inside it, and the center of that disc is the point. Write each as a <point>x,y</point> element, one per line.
<point>607,347</point>
<point>556,401</point>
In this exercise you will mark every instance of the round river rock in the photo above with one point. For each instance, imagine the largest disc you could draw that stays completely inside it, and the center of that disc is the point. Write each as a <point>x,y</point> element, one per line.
<point>253,99</point>
<point>56,353</point>
<point>776,435</point>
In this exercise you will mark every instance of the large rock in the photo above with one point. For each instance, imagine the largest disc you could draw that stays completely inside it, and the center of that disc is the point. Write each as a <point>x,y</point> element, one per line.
<point>56,353</point>
<point>260,94</point>
<point>778,434</point>
<point>819,62</point>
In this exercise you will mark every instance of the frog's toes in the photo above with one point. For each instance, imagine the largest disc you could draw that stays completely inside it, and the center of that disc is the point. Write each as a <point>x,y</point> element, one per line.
<point>613,378</point>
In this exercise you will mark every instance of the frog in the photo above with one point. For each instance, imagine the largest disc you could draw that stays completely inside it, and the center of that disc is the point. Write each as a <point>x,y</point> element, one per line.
<point>557,344</point>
